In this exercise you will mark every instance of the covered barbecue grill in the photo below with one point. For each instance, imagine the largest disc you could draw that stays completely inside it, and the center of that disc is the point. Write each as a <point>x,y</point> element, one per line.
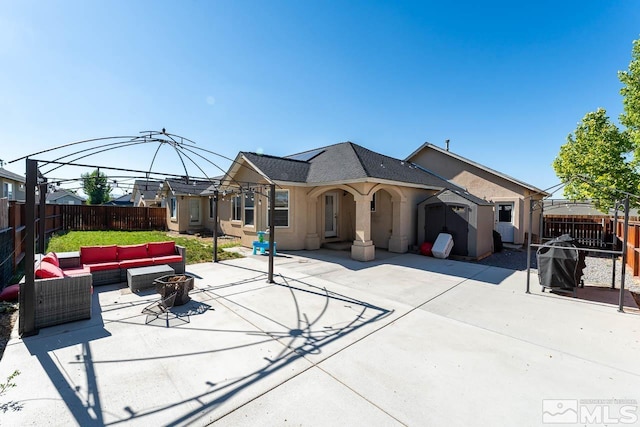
<point>561,265</point>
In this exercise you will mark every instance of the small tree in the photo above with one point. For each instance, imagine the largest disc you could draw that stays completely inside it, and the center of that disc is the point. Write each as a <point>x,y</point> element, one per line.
<point>96,187</point>
<point>597,162</point>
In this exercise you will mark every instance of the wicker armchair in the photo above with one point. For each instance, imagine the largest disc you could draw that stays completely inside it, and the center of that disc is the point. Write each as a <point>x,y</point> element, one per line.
<point>62,300</point>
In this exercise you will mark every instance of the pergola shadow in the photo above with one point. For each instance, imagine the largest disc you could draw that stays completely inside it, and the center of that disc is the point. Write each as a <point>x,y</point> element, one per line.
<point>317,317</point>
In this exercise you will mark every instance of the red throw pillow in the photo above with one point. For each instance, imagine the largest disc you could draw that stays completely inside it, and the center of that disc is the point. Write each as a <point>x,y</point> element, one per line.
<point>46,271</point>
<point>10,293</point>
<point>51,258</point>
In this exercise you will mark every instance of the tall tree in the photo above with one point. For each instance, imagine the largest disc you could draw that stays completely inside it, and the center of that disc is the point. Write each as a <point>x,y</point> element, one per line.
<point>631,97</point>
<point>597,162</point>
<point>96,187</point>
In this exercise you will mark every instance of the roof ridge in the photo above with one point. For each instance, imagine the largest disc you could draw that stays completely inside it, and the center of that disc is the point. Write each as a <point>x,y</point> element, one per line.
<point>271,156</point>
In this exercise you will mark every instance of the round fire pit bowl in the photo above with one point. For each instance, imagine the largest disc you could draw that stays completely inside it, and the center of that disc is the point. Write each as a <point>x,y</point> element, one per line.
<point>181,284</point>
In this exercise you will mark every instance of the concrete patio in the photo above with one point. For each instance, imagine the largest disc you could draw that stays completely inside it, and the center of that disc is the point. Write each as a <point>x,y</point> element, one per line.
<point>403,340</point>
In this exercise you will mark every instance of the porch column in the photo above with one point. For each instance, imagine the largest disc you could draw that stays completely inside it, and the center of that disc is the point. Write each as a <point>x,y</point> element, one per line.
<point>363,248</point>
<point>312,239</point>
<point>399,240</point>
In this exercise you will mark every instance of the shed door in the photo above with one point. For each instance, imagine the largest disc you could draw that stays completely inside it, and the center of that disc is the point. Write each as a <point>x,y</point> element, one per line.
<point>452,219</point>
<point>504,221</point>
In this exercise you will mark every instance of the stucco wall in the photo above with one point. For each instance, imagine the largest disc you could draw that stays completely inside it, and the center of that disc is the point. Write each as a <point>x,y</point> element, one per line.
<point>485,185</point>
<point>382,220</point>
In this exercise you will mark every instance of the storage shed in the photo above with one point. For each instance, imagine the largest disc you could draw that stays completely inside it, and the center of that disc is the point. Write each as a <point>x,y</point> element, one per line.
<point>469,219</point>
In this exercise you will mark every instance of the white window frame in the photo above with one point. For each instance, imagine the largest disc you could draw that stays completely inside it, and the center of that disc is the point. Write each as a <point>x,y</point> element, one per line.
<point>288,208</point>
<point>246,208</point>
<point>236,208</point>
<point>173,207</point>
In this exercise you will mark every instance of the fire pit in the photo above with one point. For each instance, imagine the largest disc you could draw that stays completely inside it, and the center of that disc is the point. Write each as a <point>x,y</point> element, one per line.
<point>181,284</point>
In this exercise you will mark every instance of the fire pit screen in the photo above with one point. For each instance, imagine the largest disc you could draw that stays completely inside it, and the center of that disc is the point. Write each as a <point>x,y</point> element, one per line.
<point>180,284</point>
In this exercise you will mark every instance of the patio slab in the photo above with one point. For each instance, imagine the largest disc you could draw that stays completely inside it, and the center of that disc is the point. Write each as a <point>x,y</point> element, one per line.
<point>401,340</point>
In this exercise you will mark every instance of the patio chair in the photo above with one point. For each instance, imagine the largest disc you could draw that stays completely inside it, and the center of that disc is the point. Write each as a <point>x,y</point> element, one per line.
<point>161,309</point>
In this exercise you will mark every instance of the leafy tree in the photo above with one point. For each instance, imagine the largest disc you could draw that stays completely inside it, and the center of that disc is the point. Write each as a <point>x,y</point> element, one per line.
<point>631,97</point>
<point>96,187</point>
<point>597,162</point>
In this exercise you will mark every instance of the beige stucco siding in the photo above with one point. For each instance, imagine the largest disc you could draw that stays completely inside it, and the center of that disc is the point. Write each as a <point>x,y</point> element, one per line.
<point>485,185</point>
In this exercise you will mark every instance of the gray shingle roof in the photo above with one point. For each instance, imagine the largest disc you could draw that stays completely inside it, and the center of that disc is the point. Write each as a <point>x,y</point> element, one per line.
<point>60,193</point>
<point>10,175</point>
<point>343,162</point>
<point>148,189</point>
<point>192,188</point>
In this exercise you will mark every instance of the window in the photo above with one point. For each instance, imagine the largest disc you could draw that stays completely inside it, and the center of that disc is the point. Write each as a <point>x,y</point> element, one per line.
<point>248,210</point>
<point>373,202</point>
<point>236,208</point>
<point>174,208</point>
<point>281,216</point>
<point>8,190</point>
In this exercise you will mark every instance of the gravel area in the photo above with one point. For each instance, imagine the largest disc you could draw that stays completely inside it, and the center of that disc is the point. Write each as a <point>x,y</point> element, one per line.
<point>598,271</point>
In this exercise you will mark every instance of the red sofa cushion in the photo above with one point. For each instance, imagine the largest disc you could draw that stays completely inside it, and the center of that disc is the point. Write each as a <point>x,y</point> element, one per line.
<point>157,249</point>
<point>132,252</point>
<point>10,293</point>
<point>47,270</point>
<point>132,263</point>
<point>167,259</point>
<point>51,258</point>
<point>101,266</point>
<point>98,254</point>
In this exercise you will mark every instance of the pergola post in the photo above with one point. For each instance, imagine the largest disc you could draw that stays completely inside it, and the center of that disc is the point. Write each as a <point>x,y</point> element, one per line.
<point>215,225</point>
<point>27,299</point>
<point>625,235</point>
<point>42,218</point>
<point>272,229</point>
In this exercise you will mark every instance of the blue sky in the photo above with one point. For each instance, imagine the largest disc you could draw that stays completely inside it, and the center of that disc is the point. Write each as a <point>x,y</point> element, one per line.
<point>504,81</point>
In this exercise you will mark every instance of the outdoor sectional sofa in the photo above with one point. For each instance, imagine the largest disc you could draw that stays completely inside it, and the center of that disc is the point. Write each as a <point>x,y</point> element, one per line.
<point>63,285</point>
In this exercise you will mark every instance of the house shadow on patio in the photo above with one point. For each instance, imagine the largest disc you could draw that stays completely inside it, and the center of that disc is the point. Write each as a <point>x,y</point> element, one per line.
<point>419,263</point>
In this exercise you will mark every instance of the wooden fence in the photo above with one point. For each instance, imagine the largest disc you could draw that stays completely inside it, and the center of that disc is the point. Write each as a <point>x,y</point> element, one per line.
<point>59,218</point>
<point>590,231</point>
<point>100,218</point>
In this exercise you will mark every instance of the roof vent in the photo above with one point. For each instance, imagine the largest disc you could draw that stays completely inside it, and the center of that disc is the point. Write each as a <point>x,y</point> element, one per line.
<point>446,144</point>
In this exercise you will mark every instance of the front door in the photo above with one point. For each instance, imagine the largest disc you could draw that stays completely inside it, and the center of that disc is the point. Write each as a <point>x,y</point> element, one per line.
<point>331,215</point>
<point>194,212</point>
<point>504,224</point>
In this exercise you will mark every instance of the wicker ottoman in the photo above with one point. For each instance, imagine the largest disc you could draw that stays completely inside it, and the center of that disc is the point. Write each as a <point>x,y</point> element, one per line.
<point>143,277</point>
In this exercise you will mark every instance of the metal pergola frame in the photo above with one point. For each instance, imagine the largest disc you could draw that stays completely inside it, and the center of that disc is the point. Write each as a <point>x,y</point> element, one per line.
<point>620,204</point>
<point>184,148</point>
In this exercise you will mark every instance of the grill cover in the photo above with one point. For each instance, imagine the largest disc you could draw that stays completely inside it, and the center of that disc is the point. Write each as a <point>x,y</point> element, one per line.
<point>560,263</point>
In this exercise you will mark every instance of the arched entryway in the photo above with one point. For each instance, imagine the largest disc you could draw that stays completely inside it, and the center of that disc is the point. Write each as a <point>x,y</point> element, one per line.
<point>366,215</point>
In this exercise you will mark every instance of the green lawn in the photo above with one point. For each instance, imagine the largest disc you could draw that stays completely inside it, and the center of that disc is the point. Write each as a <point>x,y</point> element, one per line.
<point>197,251</point>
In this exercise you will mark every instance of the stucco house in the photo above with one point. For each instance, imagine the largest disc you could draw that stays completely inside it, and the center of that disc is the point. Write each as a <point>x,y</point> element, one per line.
<point>189,204</point>
<point>339,193</point>
<point>62,196</point>
<point>511,197</point>
<point>12,185</point>
<point>146,193</point>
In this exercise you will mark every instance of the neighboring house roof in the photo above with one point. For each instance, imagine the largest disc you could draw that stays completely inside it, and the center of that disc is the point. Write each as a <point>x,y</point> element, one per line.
<point>124,200</point>
<point>563,207</point>
<point>477,165</point>
<point>193,188</point>
<point>147,188</point>
<point>341,162</point>
<point>12,176</point>
<point>60,193</point>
